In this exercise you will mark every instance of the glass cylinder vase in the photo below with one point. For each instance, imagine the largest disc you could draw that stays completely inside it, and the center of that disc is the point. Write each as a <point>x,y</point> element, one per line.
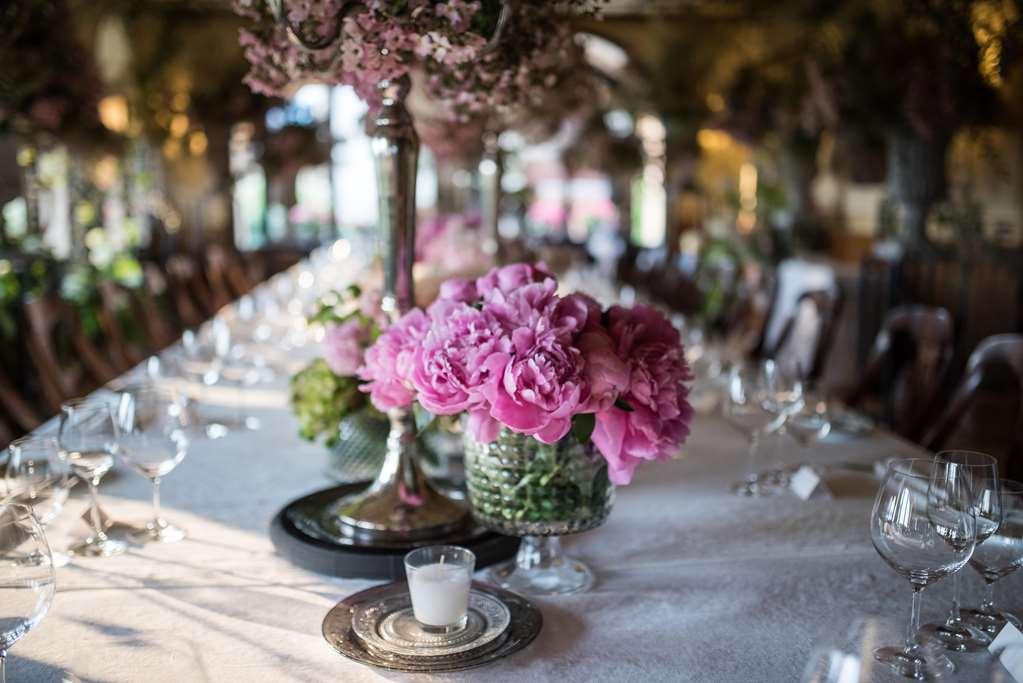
<point>522,487</point>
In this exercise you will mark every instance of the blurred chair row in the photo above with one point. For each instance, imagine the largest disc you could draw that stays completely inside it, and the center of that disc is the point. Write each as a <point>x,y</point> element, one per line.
<point>55,359</point>
<point>909,382</point>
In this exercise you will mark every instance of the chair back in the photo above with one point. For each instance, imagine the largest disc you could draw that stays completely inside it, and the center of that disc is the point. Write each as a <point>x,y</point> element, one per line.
<point>226,274</point>
<point>907,367</point>
<point>50,319</point>
<point>993,378</point>
<point>192,300</point>
<point>806,337</point>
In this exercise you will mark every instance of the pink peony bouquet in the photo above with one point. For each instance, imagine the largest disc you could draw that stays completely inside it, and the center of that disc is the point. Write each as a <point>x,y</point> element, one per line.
<point>510,352</point>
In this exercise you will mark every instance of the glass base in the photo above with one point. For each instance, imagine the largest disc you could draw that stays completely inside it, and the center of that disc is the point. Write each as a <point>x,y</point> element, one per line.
<point>918,663</point>
<point>754,489</point>
<point>955,636</point>
<point>540,568</point>
<point>94,547</point>
<point>990,623</point>
<point>159,532</point>
<point>60,559</point>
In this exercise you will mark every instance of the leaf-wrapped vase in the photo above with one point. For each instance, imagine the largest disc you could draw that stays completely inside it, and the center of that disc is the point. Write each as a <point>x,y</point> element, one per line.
<point>522,487</point>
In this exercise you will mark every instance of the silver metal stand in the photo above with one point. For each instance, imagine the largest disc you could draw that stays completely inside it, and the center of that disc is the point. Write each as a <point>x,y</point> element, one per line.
<point>400,504</point>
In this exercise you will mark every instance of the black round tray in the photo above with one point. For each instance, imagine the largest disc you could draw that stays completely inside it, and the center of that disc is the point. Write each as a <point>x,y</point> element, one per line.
<point>295,535</point>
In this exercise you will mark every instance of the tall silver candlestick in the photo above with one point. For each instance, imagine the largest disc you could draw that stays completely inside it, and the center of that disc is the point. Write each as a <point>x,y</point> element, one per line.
<point>491,169</point>
<point>400,505</point>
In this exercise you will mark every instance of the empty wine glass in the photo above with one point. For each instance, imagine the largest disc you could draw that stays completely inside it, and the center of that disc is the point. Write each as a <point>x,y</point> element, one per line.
<point>36,477</point>
<point>744,411</point>
<point>200,362</point>
<point>1000,555</point>
<point>781,394</point>
<point>979,472</point>
<point>26,577</point>
<point>925,531</point>
<point>153,428</point>
<point>88,441</point>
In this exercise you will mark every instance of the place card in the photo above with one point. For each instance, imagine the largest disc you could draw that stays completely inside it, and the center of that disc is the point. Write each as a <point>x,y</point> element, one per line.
<point>1008,647</point>
<point>807,483</point>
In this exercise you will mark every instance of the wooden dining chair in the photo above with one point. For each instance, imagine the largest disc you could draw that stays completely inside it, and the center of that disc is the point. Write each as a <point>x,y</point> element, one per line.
<point>17,416</point>
<point>193,302</point>
<point>807,335</point>
<point>906,368</point>
<point>226,273</point>
<point>114,300</point>
<point>986,410</point>
<point>54,323</point>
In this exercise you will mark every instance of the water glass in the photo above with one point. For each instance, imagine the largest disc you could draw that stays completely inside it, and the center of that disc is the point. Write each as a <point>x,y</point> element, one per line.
<point>439,578</point>
<point>979,473</point>
<point>37,478</point>
<point>87,441</point>
<point>153,426</point>
<point>923,526</point>
<point>26,576</point>
<point>997,557</point>
<point>743,410</point>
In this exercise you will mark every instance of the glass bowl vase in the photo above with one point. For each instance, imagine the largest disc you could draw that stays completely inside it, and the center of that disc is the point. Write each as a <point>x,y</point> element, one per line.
<point>521,487</point>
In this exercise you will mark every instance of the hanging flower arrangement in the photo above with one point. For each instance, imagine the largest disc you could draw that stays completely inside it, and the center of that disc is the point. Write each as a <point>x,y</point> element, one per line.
<point>448,45</point>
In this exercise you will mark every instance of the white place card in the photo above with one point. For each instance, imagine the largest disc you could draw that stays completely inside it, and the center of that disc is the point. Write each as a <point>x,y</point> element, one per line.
<point>806,483</point>
<point>1008,647</point>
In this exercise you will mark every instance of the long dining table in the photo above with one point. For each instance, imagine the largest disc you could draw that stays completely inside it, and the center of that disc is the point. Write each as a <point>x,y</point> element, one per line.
<point>693,583</point>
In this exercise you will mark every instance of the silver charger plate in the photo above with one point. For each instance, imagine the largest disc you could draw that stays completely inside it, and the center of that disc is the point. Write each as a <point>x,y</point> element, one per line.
<point>389,627</point>
<point>525,622</point>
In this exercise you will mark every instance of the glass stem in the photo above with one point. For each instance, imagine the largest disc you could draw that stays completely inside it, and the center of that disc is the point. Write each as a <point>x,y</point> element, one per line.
<point>988,605</point>
<point>156,502</point>
<point>538,552</point>
<point>97,523</point>
<point>914,617</point>
<point>955,617</point>
<point>3,666</point>
<point>754,447</point>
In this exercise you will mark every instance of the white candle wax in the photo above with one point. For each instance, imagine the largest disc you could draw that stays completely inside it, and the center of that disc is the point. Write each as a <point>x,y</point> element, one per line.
<point>440,593</point>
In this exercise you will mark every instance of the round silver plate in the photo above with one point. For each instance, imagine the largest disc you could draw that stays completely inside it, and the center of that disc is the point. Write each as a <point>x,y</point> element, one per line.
<point>523,624</point>
<point>388,626</point>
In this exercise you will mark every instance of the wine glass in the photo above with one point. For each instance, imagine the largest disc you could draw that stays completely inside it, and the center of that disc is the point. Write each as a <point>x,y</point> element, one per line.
<point>924,528</point>
<point>743,411</point>
<point>153,428</point>
<point>26,576</point>
<point>1000,555</point>
<point>87,440</point>
<point>37,478</point>
<point>781,394</point>
<point>979,471</point>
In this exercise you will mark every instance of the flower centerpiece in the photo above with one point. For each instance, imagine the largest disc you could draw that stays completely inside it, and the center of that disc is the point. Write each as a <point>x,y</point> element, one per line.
<point>325,395</point>
<point>561,401</point>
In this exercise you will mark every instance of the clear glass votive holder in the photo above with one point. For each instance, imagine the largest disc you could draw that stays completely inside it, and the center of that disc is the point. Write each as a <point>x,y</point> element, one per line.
<point>439,577</point>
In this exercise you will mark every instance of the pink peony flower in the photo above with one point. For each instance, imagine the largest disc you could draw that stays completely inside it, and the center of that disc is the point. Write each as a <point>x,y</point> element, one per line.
<point>658,422</point>
<point>509,278</point>
<point>537,388</point>
<point>458,289</point>
<point>537,307</point>
<point>607,376</point>
<point>451,365</point>
<point>389,362</point>
<point>342,347</point>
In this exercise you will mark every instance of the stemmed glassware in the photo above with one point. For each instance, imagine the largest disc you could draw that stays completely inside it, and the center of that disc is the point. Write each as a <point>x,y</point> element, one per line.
<point>979,472</point>
<point>1000,555</point>
<point>153,427</point>
<point>37,478</point>
<point>781,394</point>
<point>26,576</point>
<point>743,410</point>
<point>924,527</point>
<point>88,442</point>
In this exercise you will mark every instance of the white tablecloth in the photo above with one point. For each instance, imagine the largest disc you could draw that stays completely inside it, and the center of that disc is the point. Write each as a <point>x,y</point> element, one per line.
<point>693,583</point>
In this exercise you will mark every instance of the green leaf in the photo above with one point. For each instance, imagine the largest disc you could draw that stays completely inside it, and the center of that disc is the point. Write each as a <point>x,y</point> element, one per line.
<point>621,403</point>
<point>582,426</point>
